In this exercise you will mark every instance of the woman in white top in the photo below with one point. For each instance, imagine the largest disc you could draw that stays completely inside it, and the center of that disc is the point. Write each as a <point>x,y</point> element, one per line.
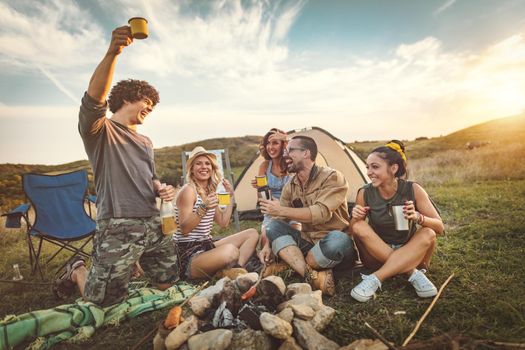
<point>196,211</point>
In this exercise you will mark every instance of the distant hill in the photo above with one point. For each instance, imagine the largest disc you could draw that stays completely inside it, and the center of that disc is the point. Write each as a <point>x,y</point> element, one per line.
<point>494,132</point>
<point>167,161</point>
<point>243,149</point>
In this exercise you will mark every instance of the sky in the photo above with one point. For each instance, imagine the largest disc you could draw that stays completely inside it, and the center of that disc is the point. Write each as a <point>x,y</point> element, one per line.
<point>362,70</point>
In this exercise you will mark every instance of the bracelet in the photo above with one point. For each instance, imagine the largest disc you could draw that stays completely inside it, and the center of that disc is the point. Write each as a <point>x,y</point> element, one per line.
<point>420,218</point>
<point>201,211</point>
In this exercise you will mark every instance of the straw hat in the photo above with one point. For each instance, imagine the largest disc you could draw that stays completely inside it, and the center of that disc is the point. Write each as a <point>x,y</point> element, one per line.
<point>199,151</point>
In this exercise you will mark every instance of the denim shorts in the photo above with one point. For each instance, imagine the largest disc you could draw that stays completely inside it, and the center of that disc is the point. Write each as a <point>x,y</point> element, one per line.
<point>188,250</point>
<point>327,252</point>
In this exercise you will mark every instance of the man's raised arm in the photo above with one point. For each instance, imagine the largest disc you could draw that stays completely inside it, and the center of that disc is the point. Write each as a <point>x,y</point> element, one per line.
<point>101,80</point>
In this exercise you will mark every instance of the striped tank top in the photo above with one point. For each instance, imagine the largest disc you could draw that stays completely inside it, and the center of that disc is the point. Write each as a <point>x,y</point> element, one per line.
<point>202,231</point>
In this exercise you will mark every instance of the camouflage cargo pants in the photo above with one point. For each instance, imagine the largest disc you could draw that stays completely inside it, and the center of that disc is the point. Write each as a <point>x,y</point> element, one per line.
<point>117,245</point>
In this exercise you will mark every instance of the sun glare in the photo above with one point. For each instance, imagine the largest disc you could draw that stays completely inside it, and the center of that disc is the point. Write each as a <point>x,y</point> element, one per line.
<point>508,98</point>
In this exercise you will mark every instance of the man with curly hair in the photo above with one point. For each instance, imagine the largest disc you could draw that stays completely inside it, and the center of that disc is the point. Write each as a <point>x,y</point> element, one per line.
<point>128,223</point>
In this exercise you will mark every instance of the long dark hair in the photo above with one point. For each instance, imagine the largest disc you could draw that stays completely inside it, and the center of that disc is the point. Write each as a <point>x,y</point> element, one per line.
<point>394,153</point>
<point>264,153</point>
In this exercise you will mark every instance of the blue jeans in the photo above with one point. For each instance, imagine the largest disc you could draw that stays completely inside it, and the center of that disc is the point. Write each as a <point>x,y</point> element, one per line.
<point>327,252</point>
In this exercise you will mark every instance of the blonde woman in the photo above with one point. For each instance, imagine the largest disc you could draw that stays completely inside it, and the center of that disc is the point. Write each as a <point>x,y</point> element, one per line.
<point>196,211</point>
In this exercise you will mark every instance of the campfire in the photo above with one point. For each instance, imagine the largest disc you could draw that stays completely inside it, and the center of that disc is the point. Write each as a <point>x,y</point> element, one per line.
<point>250,313</point>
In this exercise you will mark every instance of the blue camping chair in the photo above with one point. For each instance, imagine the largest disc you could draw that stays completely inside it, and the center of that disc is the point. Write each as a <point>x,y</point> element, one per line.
<point>60,217</point>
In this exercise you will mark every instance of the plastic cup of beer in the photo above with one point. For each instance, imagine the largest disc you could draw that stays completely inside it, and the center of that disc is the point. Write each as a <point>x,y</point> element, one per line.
<point>224,200</point>
<point>139,27</point>
<point>261,181</point>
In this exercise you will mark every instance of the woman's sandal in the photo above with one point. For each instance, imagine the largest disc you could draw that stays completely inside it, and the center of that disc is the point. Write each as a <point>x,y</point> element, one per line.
<point>63,287</point>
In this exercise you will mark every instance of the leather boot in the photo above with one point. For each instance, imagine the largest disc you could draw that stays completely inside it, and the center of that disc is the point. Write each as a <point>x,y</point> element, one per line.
<point>322,280</point>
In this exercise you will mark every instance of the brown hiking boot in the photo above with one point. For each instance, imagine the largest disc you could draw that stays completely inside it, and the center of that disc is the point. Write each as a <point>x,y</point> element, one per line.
<point>275,267</point>
<point>322,280</point>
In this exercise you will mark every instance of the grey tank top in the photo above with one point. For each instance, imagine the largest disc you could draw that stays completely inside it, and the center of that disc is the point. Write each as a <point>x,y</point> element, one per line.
<point>379,216</point>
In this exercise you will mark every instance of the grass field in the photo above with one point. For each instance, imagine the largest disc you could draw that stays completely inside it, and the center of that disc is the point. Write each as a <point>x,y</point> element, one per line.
<point>481,195</point>
<point>484,245</point>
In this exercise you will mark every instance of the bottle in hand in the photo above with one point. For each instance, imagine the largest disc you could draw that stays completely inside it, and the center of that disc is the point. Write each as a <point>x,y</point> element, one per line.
<point>263,191</point>
<point>167,217</point>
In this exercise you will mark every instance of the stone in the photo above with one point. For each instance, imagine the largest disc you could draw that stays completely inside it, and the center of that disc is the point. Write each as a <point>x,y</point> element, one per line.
<point>199,305</point>
<point>160,338</point>
<point>309,338</point>
<point>322,318</point>
<point>310,300</point>
<point>297,288</point>
<point>244,282</point>
<point>211,292</point>
<point>317,294</point>
<point>365,344</point>
<point>250,339</point>
<point>218,339</point>
<point>270,292</point>
<point>290,344</point>
<point>304,312</point>
<point>286,314</point>
<point>277,281</point>
<point>180,335</point>
<point>159,342</point>
<point>275,326</point>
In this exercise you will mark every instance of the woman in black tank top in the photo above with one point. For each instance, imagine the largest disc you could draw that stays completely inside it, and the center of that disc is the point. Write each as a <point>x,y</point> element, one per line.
<point>381,247</point>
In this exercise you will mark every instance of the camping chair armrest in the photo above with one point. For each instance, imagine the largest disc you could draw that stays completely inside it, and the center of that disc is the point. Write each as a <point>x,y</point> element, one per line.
<point>13,218</point>
<point>92,198</point>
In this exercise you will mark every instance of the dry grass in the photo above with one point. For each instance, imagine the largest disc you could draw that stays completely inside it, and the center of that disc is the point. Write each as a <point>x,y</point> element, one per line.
<point>492,162</point>
<point>481,194</point>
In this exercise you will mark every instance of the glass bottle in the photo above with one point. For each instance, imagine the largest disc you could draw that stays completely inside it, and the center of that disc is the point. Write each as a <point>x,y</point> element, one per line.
<point>18,276</point>
<point>167,217</point>
<point>263,191</point>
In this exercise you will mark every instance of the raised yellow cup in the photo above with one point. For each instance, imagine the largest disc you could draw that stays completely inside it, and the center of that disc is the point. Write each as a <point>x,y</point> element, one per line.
<point>224,199</point>
<point>261,181</point>
<point>139,27</point>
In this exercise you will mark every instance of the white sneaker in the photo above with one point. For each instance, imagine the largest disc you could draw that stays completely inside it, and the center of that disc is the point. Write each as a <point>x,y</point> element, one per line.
<point>366,289</point>
<point>424,288</point>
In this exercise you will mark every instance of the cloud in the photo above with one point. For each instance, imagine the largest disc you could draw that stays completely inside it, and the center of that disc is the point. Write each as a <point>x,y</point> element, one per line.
<point>421,89</point>
<point>51,34</point>
<point>59,85</point>
<point>225,69</point>
<point>53,38</point>
<point>445,6</point>
<point>229,39</point>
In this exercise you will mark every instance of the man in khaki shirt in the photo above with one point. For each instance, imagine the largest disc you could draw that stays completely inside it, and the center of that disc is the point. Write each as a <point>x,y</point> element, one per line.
<point>316,197</point>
